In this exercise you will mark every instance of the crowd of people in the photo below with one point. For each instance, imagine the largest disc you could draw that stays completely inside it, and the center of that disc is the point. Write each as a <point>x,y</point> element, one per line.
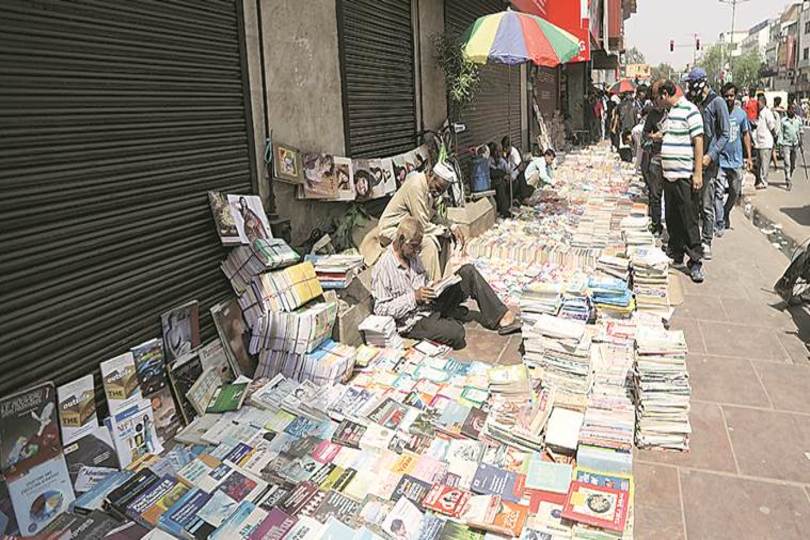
<point>692,145</point>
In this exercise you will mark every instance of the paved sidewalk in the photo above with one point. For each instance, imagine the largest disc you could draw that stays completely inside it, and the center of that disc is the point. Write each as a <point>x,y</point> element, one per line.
<point>747,474</point>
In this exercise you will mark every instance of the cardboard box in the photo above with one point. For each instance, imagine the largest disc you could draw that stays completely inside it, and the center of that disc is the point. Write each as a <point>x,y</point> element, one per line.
<point>355,305</point>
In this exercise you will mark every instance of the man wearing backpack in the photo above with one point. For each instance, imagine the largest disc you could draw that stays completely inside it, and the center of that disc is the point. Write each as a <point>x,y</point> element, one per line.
<point>716,130</point>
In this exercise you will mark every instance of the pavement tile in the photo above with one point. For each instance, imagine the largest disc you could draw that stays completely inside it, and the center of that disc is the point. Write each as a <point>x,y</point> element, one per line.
<point>745,341</point>
<point>770,444</point>
<point>721,507</point>
<point>726,380</point>
<point>795,346</point>
<point>703,307</point>
<point>657,502</point>
<point>708,445</point>
<point>511,352</point>
<point>691,330</point>
<point>718,284</point>
<point>482,345</point>
<point>755,312</point>
<point>787,385</point>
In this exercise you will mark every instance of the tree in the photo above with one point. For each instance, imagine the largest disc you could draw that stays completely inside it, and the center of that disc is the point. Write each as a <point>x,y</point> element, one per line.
<point>461,75</point>
<point>634,56</point>
<point>712,61</point>
<point>746,69</point>
<point>662,71</point>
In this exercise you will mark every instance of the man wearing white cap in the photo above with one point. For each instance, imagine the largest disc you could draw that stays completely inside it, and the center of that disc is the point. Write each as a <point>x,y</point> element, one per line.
<point>417,198</point>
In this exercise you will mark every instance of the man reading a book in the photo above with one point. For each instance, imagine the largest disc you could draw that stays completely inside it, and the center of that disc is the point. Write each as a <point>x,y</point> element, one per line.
<point>432,310</point>
<point>417,198</point>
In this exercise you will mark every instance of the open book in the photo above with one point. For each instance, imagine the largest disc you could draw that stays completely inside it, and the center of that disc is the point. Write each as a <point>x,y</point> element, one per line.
<point>442,285</point>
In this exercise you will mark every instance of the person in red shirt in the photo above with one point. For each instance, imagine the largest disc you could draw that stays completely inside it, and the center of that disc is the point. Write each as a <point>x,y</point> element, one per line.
<point>751,106</point>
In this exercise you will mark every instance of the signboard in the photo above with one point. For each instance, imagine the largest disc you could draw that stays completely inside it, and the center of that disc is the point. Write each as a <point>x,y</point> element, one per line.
<point>570,15</point>
<point>637,71</point>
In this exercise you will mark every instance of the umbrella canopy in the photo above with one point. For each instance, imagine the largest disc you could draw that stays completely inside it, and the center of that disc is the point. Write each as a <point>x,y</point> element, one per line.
<point>624,85</point>
<point>511,37</point>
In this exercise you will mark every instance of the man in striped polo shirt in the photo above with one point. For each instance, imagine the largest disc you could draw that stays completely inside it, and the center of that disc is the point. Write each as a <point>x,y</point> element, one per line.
<point>682,164</point>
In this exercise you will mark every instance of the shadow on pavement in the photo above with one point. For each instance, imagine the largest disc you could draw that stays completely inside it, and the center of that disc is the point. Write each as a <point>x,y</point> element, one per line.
<point>799,214</point>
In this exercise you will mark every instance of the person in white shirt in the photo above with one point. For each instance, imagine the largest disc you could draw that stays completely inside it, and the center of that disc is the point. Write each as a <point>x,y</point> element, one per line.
<point>539,171</point>
<point>512,156</point>
<point>764,139</point>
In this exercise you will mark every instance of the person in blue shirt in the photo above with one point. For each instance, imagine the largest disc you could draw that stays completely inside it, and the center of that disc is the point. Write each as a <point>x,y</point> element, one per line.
<point>731,160</point>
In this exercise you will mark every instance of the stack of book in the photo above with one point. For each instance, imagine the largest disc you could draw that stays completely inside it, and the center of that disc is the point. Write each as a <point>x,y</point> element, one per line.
<point>611,297</point>
<point>381,331</point>
<point>336,271</point>
<point>651,280</point>
<point>282,290</point>
<point>560,351</point>
<point>299,332</point>
<point>636,231</point>
<point>539,298</point>
<point>576,302</point>
<point>617,267</point>
<point>244,263</point>
<point>330,363</point>
<point>662,388</point>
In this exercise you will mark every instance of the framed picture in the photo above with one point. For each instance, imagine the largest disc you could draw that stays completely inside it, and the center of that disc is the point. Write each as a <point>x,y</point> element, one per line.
<point>319,176</point>
<point>344,176</point>
<point>287,161</point>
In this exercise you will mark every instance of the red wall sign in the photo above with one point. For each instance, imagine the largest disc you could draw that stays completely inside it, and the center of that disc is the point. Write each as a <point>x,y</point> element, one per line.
<point>570,15</point>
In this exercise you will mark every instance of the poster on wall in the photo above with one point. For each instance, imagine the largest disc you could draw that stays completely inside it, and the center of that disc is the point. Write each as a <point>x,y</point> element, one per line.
<point>248,214</point>
<point>344,178</point>
<point>319,176</point>
<point>287,163</point>
<point>384,181</point>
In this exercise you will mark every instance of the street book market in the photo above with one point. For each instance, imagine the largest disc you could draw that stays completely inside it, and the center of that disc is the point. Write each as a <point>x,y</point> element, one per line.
<point>277,430</point>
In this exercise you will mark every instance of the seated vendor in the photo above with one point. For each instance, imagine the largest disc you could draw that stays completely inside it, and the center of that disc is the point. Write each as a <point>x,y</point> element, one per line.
<point>402,290</point>
<point>417,198</point>
<point>539,172</point>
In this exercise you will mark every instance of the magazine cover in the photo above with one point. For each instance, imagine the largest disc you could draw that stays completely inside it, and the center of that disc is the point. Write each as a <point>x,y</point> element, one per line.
<point>203,389</point>
<point>598,506</point>
<point>251,221</point>
<point>167,417</point>
<point>213,355</point>
<point>134,434</point>
<point>319,176</point>
<point>344,177</point>
<point>404,521</point>
<point>150,366</point>
<point>287,163</point>
<point>41,494</point>
<point>234,335</point>
<point>181,330</point>
<point>223,219</point>
<point>120,379</point>
<point>77,408</point>
<point>29,429</point>
<point>90,459</point>
<point>386,184</point>
<point>183,373</point>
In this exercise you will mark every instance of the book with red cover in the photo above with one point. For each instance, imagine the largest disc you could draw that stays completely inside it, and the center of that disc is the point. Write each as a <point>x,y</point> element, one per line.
<point>598,506</point>
<point>446,500</point>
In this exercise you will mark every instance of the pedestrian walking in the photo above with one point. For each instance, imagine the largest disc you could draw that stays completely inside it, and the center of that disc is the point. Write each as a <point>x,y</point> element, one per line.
<point>731,160</point>
<point>651,136</point>
<point>715,136</point>
<point>764,138</point>
<point>682,164</point>
<point>791,141</point>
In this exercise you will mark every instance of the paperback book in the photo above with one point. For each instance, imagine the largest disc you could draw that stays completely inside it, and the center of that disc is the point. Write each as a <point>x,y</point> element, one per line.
<point>181,330</point>
<point>29,429</point>
<point>90,459</point>
<point>40,494</point>
<point>120,378</point>
<point>77,408</point>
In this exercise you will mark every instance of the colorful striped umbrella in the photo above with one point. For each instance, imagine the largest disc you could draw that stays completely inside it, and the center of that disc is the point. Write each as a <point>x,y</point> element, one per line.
<point>623,86</point>
<point>511,37</point>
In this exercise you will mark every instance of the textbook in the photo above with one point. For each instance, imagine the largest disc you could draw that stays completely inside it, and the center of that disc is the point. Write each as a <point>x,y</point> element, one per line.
<point>90,459</point>
<point>29,429</point>
<point>40,494</point>
<point>77,408</point>
<point>121,385</point>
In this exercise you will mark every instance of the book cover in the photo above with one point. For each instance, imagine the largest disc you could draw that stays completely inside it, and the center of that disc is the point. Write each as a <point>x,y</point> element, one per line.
<point>274,527</point>
<point>218,508</point>
<point>92,526</point>
<point>203,389</point>
<point>40,494</point>
<point>77,408</point>
<point>133,432</point>
<point>474,423</point>
<point>224,222</point>
<point>598,506</point>
<point>228,397</point>
<point>128,531</point>
<point>335,530</point>
<point>234,334</point>
<point>181,330</point>
<point>120,378</point>
<point>119,498</point>
<point>213,355</point>
<point>431,528</point>
<point>548,476</point>
<point>90,459</point>
<point>446,500</point>
<point>150,366</point>
<point>509,519</point>
<point>241,523</point>
<point>249,217</point>
<point>304,528</point>
<point>490,480</point>
<point>94,498</point>
<point>349,434</point>
<point>458,531</point>
<point>298,498</point>
<point>29,429</point>
<point>163,500</point>
<point>411,488</point>
<point>8,523</point>
<point>167,417</point>
<point>404,521</point>
<point>338,506</point>
<point>181,518</point>
<point>183,373</point>
<point>137,506</point>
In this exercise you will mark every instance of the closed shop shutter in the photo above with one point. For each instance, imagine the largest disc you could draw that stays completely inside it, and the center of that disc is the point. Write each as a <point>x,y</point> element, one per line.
<point>486,117</point>
<point>377,59</point>
<point>116,119</point>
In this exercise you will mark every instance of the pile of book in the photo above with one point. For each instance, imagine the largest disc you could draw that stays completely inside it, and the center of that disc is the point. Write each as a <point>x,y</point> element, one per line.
<point>380,331</point>
<point>299,332</point>
<point>636,231</point>
<point>244,263</point>
<point>617,267</point>
<point>560,352</point>
<point>611,296</point>
<point>539,298</point>
<point>280,290</point>
<point>336,271</point>
<point>576,302</point>
<point>327,364</point>
<point>651,280</point>
<point>662,388</point>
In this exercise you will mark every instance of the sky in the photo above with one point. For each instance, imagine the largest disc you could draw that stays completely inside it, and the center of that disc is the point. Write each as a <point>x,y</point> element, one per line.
<point>656,22</point>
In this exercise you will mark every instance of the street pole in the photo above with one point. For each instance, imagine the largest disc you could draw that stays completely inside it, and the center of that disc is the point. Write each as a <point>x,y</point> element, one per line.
<point>733,16</point>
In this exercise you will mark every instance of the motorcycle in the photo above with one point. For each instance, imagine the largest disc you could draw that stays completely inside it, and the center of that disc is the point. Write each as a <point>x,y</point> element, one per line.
<point>795,282</point>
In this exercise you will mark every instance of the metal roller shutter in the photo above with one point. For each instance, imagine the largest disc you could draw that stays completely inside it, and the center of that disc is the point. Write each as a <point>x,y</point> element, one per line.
<point>116,119</point>
<point>377,63</point>
<point>486,117</point>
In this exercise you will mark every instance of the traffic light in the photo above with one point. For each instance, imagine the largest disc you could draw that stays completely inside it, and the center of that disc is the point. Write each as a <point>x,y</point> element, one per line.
<point>671,45</point>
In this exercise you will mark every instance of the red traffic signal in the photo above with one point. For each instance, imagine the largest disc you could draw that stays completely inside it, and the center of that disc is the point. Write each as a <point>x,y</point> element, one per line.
<point>671,45</point>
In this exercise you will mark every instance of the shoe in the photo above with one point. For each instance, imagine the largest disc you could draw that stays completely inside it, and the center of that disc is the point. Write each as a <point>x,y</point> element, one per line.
<point>761,186</point>
<point>789,187</point>
<point>510,328</point>
<point>707,252</point>
<point>677,260</point>
<point>720,232</point>
<point>696,271</point>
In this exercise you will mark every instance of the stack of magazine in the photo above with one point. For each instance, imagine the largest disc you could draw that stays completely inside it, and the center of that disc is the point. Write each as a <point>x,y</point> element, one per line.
<point>280,290</point>
<point>336,271</point>
<point>263,254</point>
<point>380,331</point>
<point>651,281</point>
<point>662,388</point>
<point>298,332</point>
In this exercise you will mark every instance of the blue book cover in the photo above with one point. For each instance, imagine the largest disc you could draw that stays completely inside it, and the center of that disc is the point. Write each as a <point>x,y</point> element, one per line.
<point>301,426</point>
<point>431,527</point>
<point>94,499</point>
<point>548,476</point>
<point>490,480</point>
<point>236,525</point>
<point>603,459</point>
<point>138,506</point>
<point>335,530</point>
<point>181,519</point>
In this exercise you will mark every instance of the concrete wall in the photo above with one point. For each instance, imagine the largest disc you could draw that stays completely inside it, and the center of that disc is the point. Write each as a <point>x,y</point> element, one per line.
<point>434,92</point>
<point>304,105</point>
<point>257,105</point>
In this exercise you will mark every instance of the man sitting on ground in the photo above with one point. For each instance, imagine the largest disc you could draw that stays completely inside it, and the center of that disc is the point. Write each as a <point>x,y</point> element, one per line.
<point>539,172</point>
<point>417,198</point>
<point>401,290</point>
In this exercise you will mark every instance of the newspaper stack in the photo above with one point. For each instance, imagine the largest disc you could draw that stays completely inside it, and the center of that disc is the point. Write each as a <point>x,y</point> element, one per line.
<point>381,331</point>
<point>336,271</point>
<point>611,296</point>
<point>651,280</point>
<point>662,388</point>
<point>299,332</point>
<point>328,364</point>
<point>246,262</point>
<point>560,350</point>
